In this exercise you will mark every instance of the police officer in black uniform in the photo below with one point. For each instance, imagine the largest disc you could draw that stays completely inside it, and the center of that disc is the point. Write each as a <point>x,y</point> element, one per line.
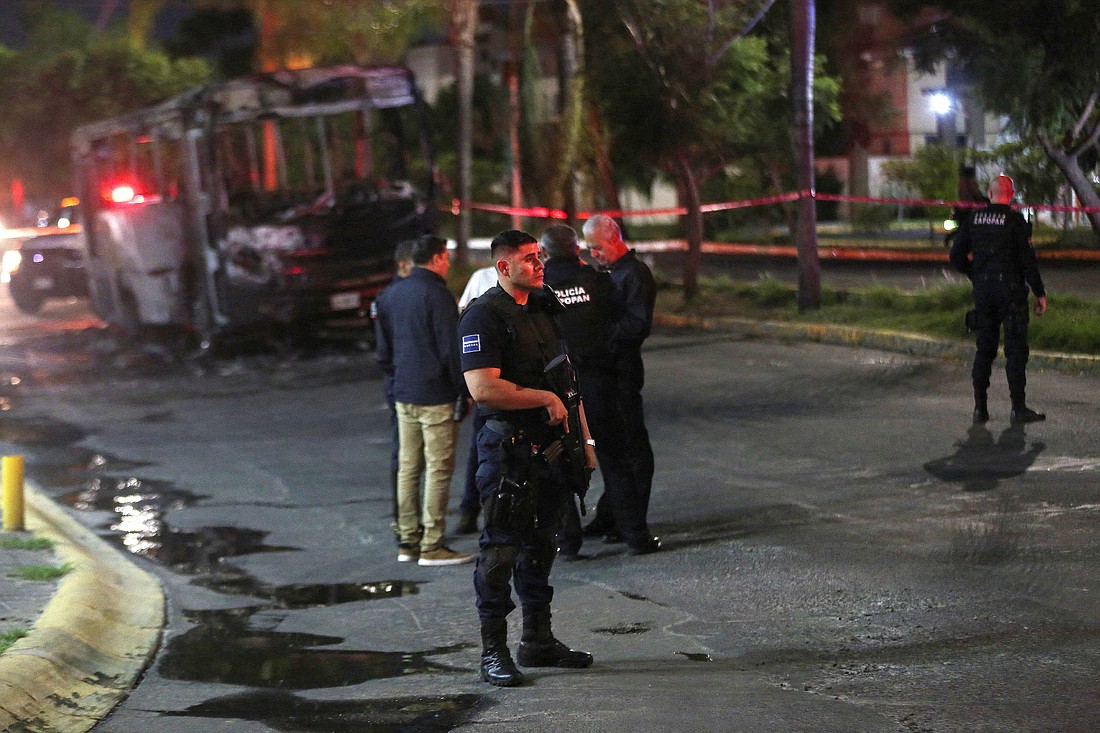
<point>586,324</point>
<point>993,248</point>
<point>508,337</point>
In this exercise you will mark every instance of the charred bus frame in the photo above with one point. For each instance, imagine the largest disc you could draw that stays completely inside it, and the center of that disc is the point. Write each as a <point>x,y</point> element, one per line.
<point>274,200</point>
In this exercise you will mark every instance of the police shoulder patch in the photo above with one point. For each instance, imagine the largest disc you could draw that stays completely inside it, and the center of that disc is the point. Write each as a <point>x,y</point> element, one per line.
<point>471,344</point>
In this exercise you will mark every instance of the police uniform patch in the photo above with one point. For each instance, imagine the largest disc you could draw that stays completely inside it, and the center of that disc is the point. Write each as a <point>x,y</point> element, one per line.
<point>471,344</point>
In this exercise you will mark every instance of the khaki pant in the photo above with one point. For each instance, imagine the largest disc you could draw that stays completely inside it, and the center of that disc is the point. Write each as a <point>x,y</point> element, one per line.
<point>426,435</point>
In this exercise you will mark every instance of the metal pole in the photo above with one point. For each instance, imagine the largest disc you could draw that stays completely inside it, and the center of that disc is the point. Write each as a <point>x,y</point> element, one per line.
<point>12,505</point>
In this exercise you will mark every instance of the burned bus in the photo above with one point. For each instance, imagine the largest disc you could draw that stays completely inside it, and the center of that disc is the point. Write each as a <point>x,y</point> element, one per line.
<point>271,203</point>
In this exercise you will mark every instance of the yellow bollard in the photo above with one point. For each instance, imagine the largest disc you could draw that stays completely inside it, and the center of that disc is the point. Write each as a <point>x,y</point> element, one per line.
<point>12,505</point>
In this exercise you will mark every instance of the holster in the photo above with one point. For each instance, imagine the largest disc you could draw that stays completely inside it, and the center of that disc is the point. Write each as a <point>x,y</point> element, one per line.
<point>511,506</point>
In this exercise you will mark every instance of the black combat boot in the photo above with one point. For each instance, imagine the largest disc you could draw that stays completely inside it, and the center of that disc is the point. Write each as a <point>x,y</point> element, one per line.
<point>497,667</point>
<point>539,648</point>
<point>981,409</point>
<point>1022,414</point>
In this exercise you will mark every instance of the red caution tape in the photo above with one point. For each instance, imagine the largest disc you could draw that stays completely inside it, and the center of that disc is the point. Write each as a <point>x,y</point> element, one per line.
<point>540,212</point>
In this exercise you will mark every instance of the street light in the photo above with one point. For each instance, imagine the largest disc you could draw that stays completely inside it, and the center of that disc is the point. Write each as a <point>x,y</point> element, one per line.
<point>940,103</point>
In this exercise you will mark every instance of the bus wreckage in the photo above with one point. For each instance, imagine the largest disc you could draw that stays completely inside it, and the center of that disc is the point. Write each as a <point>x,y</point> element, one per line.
<point>272,202</point>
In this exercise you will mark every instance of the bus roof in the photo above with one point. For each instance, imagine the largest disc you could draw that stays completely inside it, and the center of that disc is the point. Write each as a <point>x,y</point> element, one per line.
<point>286,93</point>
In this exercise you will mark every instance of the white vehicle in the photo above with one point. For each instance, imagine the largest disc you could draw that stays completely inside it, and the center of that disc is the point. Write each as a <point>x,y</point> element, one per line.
<point>275,200</point>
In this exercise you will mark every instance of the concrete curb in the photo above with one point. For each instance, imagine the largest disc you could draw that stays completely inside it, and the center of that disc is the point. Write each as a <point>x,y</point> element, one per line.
<point>906,343</point>
<point>93,640</point>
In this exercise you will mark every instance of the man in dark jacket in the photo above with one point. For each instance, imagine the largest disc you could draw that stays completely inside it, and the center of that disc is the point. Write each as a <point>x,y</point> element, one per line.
<point>586,323</point>
<point>403,264</point>
<point>993,248</point>
<point>417,329</point>
<point>635,294</point>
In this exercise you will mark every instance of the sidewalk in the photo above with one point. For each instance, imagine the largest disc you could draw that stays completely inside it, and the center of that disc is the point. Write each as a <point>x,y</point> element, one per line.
<point>95,634</point>
<point>92,638</point>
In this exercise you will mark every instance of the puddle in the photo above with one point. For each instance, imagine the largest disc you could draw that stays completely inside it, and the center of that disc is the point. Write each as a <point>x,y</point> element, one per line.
<point>227,648</point>
<point>283,711</point>
<point>192,552</point>
<point>696,657</point>
<point>123,495</point>
<point>53,461</point>
<point>309,596</point>
<point>39,431</point>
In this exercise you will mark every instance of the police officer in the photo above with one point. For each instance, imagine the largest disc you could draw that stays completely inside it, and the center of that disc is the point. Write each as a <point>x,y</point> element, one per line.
<point>586,324</point>
<point>508,338</point>
<point>993,248</point>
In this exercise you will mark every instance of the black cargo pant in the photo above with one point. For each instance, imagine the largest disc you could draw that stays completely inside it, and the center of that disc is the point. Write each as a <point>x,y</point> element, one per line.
<point>516,549</point>
<point>1000,303</point>
<point>620,507</point>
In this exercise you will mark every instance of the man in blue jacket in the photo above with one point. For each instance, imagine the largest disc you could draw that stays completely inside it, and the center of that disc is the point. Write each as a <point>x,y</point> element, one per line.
<point>417,333</point>
<point>403,265</point>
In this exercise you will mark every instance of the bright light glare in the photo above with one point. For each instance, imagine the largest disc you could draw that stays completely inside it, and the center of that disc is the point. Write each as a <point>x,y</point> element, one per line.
<point>950,225</point>
<point>63,223</point>
<point>122,194</point>
<point>940,103</point>
<point>9,264</point>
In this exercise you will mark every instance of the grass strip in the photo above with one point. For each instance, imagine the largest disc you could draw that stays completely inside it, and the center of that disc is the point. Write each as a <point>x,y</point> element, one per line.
<point>7,638</point>
<point>1071,324</point>
<point>40,572</point>
<point>14,542</point>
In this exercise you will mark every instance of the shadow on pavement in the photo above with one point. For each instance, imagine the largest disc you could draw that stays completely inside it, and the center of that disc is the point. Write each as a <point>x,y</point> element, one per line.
<point>979,462</point>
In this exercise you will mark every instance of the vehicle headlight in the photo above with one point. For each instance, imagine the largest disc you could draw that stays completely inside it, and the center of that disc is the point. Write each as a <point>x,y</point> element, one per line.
<point>9,264</point>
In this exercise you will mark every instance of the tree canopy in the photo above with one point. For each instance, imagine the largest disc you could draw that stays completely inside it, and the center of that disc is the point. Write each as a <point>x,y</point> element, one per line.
<point>1032,61</point>
<point>708,87</point>
<point>68,75</point>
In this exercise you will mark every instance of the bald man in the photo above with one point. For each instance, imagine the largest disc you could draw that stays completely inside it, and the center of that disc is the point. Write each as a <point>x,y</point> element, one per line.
<point>634,295</point>
<point>993,248</point>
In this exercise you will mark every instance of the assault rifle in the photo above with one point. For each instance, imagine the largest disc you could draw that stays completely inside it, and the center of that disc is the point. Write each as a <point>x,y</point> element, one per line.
<point>562,381</point>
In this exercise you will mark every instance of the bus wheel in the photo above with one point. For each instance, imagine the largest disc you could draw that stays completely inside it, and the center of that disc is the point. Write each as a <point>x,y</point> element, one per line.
<point>26,300</point>
<point>129,316</point>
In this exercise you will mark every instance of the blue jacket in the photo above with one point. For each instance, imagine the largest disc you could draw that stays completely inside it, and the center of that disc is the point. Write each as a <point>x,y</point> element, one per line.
<point>417,340</point>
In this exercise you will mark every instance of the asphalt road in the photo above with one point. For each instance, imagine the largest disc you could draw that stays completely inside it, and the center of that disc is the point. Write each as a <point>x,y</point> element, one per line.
<point>843,550</point>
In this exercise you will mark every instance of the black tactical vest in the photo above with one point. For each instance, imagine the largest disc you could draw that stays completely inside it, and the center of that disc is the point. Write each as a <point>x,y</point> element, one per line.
<point>585,322</point>
<point>996,236</point>
<point>533,339</point>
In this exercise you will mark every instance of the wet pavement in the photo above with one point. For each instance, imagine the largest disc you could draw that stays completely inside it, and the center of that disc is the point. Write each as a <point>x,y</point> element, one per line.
<point>843,550</point>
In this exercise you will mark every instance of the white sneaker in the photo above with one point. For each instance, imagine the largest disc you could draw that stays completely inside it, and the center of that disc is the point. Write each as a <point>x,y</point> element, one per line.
<point>443,555</point>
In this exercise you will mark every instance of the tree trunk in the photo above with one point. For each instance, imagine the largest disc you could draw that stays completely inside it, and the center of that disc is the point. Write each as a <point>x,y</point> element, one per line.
<point>464,28</point>
<point>693,221</point>
<point>607,193</point>
<point>570,102</point>
<point>139,19</point>
<point>1078,181</point>
<point>802,75</point>
<point>790,210</point>
<point>515,106</point>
